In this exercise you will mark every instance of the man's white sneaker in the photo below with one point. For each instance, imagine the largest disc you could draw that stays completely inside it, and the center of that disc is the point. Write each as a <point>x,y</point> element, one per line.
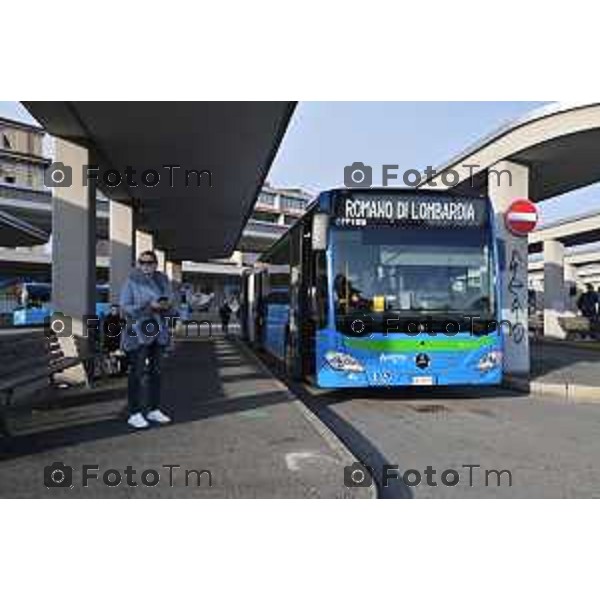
<point>157,416</point>
<point>137,420</point>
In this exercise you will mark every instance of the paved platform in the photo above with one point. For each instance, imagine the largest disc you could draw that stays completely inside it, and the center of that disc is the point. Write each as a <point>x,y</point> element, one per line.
<point>547,443</point>
<point>550,447</point>
<point>565,368</point>
<point>559,361</point>
<point>240,429</point>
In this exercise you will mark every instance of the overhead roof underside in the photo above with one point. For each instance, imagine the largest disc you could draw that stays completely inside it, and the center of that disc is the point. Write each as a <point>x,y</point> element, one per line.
<point>558,166</point>
<point>39,216</point>
<point>581,238</point>
<point>17,232</point>
<point>236,141</point>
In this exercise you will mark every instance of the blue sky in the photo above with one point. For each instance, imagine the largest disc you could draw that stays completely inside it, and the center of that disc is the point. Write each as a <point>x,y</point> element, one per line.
<point>14,110</point>
<point>323,137</point>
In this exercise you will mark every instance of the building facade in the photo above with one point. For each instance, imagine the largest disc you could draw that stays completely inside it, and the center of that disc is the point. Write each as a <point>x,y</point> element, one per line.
<point>22,163</point>
<point>281,206</point>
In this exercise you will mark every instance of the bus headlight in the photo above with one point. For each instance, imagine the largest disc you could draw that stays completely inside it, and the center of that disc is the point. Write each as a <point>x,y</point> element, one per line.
<point>490,361</point>
<point>343,362</point>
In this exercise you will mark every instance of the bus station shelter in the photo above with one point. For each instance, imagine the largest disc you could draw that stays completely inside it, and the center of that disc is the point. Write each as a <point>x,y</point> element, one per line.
<point>211,159</point>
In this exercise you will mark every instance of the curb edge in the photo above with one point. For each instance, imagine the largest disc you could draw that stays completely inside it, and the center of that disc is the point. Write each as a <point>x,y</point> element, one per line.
<point>332,440</point>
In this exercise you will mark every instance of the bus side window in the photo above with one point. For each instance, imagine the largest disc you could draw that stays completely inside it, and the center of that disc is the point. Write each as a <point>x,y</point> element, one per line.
<point>322,303</point>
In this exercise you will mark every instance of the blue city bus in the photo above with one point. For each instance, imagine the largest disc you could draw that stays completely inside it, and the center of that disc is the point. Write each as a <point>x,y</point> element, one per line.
<point>382,287</point>
<point>35,303</point>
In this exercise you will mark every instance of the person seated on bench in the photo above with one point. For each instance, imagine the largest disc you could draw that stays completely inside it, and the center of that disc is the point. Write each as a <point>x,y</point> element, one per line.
<point>113,327</point>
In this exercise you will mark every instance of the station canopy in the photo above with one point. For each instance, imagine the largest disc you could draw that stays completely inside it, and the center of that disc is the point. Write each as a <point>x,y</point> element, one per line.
<point>190,219</point>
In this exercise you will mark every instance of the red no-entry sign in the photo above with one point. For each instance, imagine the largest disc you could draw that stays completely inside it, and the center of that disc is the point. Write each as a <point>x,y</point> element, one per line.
<point>521,217</point>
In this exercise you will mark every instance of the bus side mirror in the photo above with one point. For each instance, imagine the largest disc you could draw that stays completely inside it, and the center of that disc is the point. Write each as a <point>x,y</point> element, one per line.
<point>320,226</point>
<point>501,250</point>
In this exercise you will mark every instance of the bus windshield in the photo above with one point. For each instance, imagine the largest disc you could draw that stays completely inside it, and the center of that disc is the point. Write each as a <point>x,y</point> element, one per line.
<point>412,271</point>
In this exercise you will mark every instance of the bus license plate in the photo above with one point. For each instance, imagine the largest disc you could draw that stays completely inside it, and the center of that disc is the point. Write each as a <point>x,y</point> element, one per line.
<point>423,380</point>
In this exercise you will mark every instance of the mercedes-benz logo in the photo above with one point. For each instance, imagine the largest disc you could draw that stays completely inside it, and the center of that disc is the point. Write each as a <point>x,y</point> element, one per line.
<point>422,360</point>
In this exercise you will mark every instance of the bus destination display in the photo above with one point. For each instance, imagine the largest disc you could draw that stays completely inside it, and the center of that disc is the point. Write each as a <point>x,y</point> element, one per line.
<point>434,211</point>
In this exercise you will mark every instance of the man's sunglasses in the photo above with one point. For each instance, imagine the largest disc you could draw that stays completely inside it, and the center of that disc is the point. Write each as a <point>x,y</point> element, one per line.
<point>147,262</point>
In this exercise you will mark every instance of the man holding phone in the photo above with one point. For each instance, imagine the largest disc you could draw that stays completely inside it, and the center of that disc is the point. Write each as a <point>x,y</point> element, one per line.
<point>147,301</point>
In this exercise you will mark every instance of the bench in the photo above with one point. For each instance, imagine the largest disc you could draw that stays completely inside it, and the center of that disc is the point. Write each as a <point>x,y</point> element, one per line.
<point>29,362</point>
<point>576,327</point>
<point>536,324</point>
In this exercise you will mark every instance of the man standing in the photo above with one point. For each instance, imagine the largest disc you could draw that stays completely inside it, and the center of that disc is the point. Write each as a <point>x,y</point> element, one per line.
<point>147,302</point>
<point>225,314</point>
<point>588,303</point>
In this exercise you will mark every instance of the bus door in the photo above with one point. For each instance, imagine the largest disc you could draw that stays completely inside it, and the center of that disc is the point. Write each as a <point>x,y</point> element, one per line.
<point>260,311</point>
<point>293,365</point>
<point>308,307</point>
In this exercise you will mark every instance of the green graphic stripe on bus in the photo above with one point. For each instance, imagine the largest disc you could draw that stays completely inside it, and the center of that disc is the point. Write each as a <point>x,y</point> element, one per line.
<point>414,345</point>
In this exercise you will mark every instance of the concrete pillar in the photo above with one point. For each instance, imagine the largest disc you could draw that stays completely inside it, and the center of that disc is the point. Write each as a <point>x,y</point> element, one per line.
<point>74,250</point>
<point>143,241</point>
<point>174,271</point>
<point>121,234</point>
<point>74,239</point>
<point>570,284</point>
<point>570,273</point>
<point>160,256</point>
<point>502,190</point>
<point>554,288</point>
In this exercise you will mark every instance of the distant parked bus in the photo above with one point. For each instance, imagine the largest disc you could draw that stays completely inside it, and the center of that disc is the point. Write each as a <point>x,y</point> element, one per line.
<point>34,303</point>
<point>382,287</point>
